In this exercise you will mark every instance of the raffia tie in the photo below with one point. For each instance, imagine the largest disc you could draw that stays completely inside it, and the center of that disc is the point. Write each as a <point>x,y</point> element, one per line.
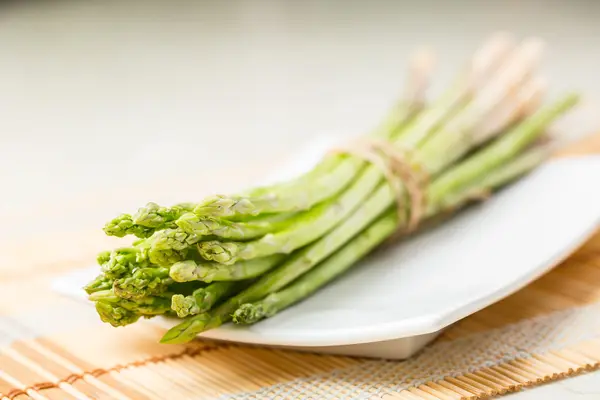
<point>395,164</point>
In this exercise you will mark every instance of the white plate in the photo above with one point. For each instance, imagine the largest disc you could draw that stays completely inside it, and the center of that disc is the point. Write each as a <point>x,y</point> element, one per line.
<point>395,301</point>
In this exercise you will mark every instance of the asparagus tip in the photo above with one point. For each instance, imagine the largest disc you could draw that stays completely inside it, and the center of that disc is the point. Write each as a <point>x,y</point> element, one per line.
<point>149,216</point>
<point>118,226</point>
<point>116,315</point>
<point>183,305</point>
<point>124,225</point>
<point>248,314</point>
<point>191,223</point>
<point>221,252</point>
<point>103,257</point>
<point>166,256</point>
<point>184,271</point>
<point>144,282</point>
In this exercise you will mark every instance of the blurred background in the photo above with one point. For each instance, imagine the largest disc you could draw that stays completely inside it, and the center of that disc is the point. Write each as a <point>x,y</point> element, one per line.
<point>105,104</point>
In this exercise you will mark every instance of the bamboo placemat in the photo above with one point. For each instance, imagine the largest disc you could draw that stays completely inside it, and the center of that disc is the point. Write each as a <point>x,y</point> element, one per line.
<point>55,348</point>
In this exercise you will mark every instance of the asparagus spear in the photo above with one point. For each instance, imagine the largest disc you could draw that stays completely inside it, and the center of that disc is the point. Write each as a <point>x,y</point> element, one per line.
<point>202,299</point>
<point>375,234</point>
<point>190,270</point>
<point>302,261</point>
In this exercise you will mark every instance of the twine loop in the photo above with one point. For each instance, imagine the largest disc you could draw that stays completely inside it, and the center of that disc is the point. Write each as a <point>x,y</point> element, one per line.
<point>399,170</point>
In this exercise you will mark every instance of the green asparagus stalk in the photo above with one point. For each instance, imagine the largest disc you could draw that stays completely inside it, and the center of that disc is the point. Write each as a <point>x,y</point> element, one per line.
<point>511,143</point>
<point>375,234</point>
<point>190,270</point>
<point>202,299</point>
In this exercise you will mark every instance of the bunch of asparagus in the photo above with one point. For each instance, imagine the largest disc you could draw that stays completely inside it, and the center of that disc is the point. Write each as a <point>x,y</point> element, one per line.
<point>247,256</point>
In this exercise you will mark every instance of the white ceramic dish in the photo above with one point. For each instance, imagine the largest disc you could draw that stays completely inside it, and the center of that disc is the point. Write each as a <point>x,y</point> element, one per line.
<point>400,298</point>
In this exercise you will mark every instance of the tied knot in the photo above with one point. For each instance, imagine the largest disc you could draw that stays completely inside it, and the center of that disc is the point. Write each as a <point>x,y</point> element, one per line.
<point>401,173</point>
